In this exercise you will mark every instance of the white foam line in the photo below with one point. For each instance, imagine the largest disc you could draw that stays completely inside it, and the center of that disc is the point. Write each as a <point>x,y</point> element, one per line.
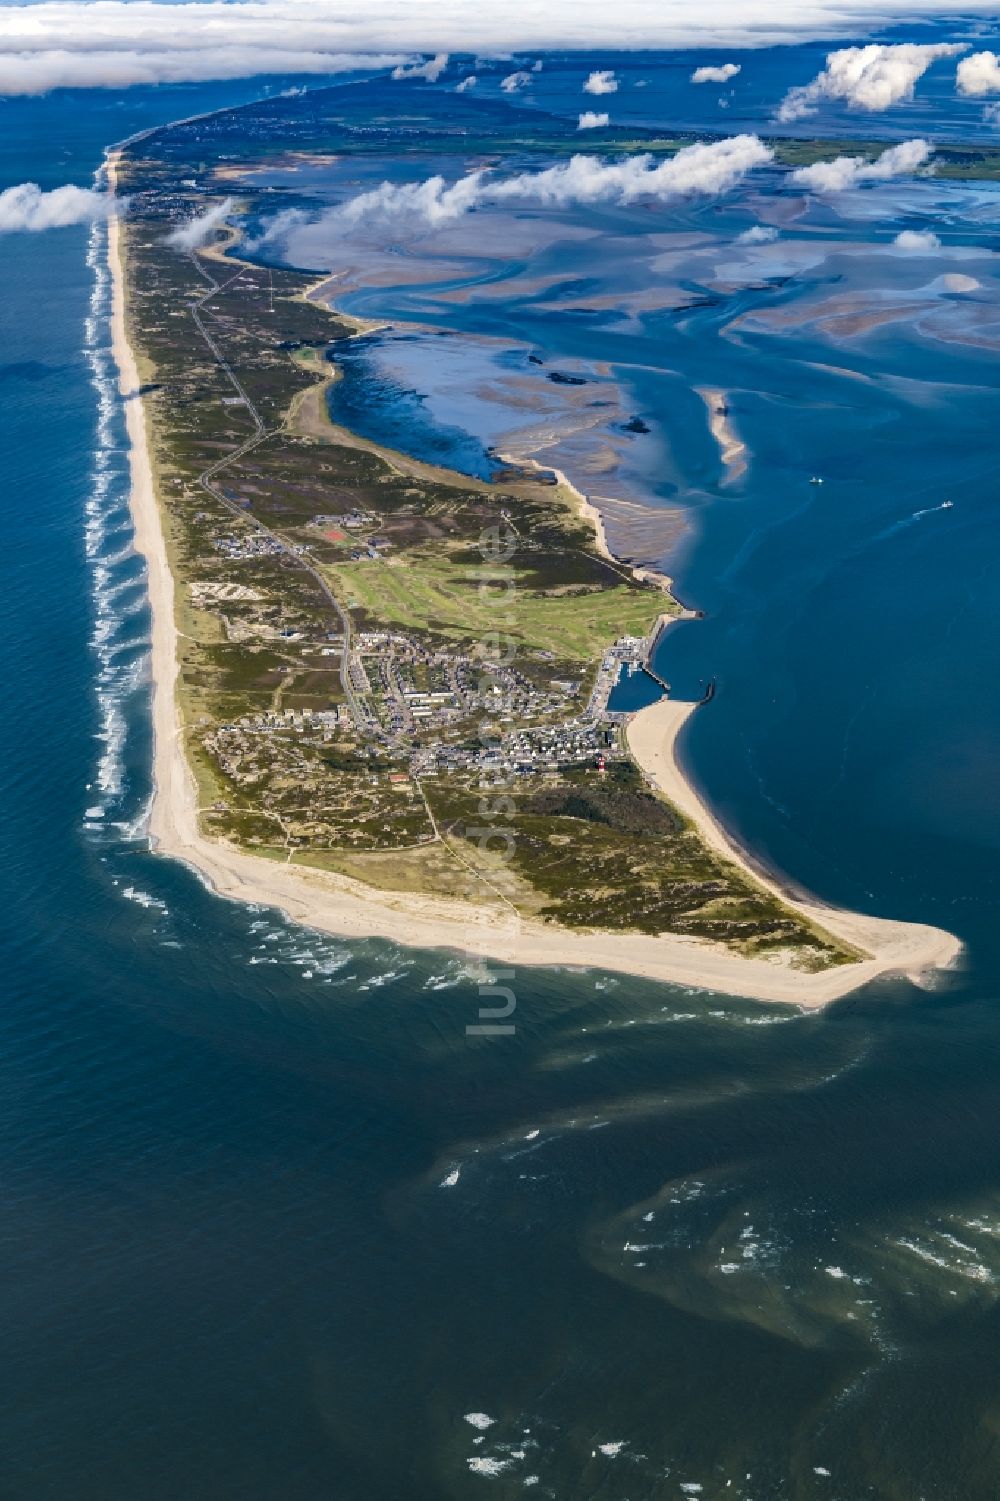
<point>121,651</point>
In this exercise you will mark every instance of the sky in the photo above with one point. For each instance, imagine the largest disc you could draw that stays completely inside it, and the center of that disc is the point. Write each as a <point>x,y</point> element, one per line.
<point>118,43</point>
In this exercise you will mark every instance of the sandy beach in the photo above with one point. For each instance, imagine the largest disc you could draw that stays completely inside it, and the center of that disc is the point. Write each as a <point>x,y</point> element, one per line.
<point>352,910</point>
<point>908,948</point>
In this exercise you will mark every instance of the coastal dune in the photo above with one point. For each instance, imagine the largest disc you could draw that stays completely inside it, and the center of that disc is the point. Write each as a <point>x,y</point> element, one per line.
<point>352,910</point>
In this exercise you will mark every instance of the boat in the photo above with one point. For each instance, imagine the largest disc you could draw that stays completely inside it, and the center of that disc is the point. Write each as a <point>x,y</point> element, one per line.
<point>816,479</point>
<point>947,505</point>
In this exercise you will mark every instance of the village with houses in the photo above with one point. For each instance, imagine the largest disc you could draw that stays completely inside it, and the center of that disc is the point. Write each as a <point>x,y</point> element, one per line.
<point>389,670</point>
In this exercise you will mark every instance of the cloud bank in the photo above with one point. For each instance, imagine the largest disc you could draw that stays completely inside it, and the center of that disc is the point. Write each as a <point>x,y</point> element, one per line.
<point>869,78</point>
<point>847,171</point>
<point>200,230</point>
<point>603,81</point>
<point>591,120</point>
<point>115,43</point>
<point>38,72</point>
<point>721,74</point>
<point>979,74</point>
<point>434,204</point>
<point>27,207</point>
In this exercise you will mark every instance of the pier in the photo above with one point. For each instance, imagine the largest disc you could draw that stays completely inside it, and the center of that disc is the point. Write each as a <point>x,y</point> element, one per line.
<point>652,641</point>
<point>652,673</point>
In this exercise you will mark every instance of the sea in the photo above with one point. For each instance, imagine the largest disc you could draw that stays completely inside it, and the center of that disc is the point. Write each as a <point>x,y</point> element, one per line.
<point>273,1225</point>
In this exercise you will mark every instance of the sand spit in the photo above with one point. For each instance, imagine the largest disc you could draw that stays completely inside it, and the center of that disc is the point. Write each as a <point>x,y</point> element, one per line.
<point>913,949</point>
<point>352,910</point>
<point>732,449</point>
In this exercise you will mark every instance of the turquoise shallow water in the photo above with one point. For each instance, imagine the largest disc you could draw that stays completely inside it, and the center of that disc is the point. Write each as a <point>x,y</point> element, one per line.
<point>271,1226</point>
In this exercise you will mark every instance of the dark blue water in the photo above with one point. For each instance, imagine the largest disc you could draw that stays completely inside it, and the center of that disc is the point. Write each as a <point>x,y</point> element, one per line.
<point>633,690</point>
<point>849,625</point>
<point>377,404</point>
<point>691,1241</point>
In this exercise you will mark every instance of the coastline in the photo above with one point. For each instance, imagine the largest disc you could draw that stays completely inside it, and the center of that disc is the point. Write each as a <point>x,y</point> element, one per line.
<point>352,910</point>
<point>913,949</point>
<point>589,513</point>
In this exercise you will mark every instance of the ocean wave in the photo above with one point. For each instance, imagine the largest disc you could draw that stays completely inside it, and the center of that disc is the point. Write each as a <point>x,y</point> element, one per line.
<point>481,1464</point>
<point>386,977</point>
<point>120,633</point>
<point>315,956</point>
<point>144,899</point>
<point>948,1254</point>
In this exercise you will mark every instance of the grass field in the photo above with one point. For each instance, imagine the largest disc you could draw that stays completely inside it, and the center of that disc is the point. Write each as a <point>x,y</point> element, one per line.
<point>431,593</point>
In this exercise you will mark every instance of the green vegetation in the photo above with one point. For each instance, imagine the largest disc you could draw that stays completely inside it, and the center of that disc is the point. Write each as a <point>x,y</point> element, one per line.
<point>430,592</point>
<point>953,161</point>
<point>375,654</point>
<point>608,844</point>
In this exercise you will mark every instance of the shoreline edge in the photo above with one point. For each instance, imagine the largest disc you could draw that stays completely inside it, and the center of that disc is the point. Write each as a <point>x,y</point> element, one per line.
<point>352,910</point>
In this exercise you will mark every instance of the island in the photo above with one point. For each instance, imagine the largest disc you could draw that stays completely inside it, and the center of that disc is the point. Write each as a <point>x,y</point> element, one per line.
<point>384,692</point>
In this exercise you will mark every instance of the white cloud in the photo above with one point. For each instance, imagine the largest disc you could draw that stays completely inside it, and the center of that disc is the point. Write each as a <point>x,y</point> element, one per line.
<point>434,203</point>
<point>37,72</point>
<point>515,81</point>
<point>758,234</point>
<point>721,74</point>
<point>702,168</point>
<point>979,74</point>
<point>601,81</point>
<point>469,82</point>
<point>869,78</point>
<point>431,69</point>
<point>114,43</point>
<point>917,239</point>
<point>28,207</point>
<point>199,230</point>
<point>591,120</point>
<point>991,114</point>
<point>846,171</point>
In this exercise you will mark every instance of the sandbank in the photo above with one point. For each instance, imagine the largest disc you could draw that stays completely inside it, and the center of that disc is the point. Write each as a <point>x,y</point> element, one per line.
<point>732,448</point>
